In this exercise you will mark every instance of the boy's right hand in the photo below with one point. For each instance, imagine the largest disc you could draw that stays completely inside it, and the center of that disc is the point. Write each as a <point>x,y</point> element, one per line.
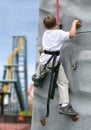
<point>77,23</point>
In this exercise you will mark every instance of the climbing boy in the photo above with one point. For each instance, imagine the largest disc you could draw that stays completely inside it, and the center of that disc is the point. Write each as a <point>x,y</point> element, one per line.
<point>52,41</point>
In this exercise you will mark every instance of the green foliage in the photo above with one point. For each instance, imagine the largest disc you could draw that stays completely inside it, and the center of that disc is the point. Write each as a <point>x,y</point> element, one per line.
<point>25,113</point>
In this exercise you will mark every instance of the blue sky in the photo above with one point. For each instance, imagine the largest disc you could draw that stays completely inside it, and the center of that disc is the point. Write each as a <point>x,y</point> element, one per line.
<point>18,17</point>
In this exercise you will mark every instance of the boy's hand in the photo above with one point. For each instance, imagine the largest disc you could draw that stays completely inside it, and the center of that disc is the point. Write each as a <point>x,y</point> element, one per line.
<point>77,23</point>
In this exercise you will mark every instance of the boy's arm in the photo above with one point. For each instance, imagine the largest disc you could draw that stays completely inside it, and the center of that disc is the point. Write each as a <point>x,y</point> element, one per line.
<point>73,28</point>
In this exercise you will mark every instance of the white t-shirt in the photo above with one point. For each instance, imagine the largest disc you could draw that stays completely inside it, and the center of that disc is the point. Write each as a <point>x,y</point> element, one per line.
<point>52,41</point>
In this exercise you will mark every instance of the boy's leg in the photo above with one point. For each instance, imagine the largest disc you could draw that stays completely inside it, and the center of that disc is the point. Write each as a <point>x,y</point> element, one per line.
<point>63,86</point>
<point>40,70</point>
<point>39,76</point>
<point>62,82</point>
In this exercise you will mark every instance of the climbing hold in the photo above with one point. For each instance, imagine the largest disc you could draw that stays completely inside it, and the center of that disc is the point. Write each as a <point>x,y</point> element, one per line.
<point>43,121</point>
<point>75,117</point>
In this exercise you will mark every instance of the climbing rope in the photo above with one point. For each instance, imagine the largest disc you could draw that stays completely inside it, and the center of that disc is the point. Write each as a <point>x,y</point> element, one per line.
<point>57,11</point>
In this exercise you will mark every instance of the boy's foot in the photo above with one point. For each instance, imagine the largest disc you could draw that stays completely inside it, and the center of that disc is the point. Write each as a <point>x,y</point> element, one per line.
<point>35,79</point>
<point>68,110</point>
<point>38,81</point>
<point>36,84</point>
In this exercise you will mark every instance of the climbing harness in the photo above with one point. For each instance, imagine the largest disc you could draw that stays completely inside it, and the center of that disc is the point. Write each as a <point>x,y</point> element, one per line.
<point>52,53</point>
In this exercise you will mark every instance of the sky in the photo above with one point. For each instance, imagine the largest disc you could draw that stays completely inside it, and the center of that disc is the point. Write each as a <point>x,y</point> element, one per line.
<point>18,17</point>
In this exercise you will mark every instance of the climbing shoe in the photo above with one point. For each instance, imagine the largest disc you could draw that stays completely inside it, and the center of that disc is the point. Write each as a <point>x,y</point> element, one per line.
<point>38,81</point>
<point>37,84</point>
<point>35,79</point>
<point>68,110</point>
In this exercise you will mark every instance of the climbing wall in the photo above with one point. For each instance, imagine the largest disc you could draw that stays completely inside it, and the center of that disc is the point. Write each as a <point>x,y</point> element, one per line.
<point>76,58</point>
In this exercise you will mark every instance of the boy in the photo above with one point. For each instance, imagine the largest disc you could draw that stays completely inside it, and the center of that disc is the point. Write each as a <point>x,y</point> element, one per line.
<point>52,41</point>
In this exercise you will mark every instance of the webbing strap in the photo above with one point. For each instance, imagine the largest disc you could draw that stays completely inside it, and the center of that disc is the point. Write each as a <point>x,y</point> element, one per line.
<point>52,52</point>
<point>51,86</point>
<point>55,75</point>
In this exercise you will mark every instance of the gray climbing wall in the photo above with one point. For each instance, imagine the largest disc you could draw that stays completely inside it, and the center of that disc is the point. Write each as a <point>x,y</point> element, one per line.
<point>76,58</point>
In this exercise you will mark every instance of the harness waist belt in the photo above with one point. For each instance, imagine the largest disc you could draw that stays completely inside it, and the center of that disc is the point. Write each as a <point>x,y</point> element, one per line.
<point>52,52</point>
